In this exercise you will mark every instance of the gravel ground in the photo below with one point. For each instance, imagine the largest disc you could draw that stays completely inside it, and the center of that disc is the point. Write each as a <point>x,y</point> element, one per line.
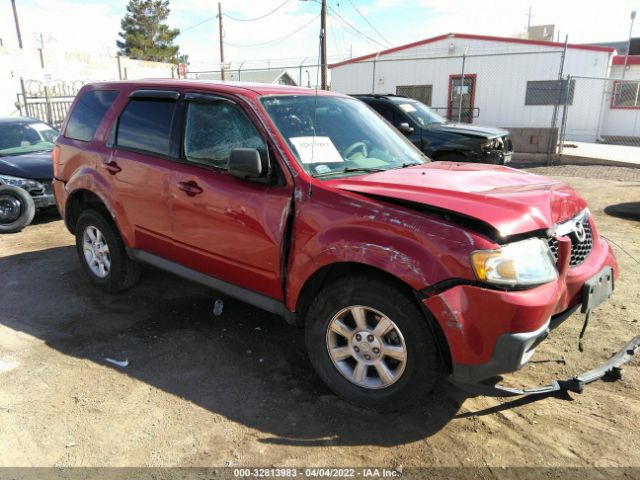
<point>237,389</point>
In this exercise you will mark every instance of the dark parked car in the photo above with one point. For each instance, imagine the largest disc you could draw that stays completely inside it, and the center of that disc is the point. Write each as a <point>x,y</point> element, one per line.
<point>26,171</point>
<point>308,205</point>
<point>439,139</point>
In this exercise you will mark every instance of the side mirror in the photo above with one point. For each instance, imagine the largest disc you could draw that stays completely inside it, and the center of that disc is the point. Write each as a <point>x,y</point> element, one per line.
<point>405,128</point>
<point>245,163</point>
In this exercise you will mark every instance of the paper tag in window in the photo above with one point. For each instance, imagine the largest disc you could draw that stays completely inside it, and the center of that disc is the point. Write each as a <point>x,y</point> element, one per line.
<point>40,127</point>
<point>316,150</point>
<point>407,107</point>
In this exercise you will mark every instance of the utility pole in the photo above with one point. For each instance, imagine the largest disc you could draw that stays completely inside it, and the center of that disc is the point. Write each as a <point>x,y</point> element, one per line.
<point>626,56</point>
<point>221,43</point>
<point>323,45</point>
<point>529,17</point>
<point>15,17</point>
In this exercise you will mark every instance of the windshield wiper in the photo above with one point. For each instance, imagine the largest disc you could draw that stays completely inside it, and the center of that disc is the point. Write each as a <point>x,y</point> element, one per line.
<point>350,170</point>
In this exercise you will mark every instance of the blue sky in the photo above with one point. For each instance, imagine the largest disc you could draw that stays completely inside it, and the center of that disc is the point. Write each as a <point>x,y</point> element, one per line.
<point>88,25</point>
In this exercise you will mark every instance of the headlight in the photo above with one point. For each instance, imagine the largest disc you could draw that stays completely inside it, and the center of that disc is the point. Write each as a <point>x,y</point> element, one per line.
<point>25,183</point>
<point>525,263</point>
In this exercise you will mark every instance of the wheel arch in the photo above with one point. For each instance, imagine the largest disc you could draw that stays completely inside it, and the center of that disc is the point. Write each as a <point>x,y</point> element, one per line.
<point>334,271</point>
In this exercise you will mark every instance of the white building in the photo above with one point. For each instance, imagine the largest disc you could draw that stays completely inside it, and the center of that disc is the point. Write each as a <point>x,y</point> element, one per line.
<point>508,82</point>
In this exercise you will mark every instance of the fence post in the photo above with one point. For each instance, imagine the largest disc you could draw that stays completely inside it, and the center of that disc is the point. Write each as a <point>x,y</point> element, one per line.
<point>554,117</point>
<point>464,59</point>
<point>47,99</point>
<point>565,112</point>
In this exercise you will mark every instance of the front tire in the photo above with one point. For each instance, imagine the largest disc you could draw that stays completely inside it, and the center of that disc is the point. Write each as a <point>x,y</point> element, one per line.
<point>17,209</point>
<point>102,253</point>
<point>371,344</point>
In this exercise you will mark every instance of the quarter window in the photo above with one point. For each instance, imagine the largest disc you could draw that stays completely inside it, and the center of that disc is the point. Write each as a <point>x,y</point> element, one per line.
<point>214,129</point>
<point>145,124</point>
<point>88,113</point>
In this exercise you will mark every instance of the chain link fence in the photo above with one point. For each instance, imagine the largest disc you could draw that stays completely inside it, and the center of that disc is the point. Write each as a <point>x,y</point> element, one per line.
<point>614,118</point>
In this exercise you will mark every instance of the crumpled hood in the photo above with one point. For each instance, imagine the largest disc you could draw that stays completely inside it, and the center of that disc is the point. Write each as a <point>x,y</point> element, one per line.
<point>512,201</point>
<point>469,130</point>
<point>37,166</point>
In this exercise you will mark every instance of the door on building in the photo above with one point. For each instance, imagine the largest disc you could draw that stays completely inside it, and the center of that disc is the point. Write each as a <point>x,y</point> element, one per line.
<point>461,98</point>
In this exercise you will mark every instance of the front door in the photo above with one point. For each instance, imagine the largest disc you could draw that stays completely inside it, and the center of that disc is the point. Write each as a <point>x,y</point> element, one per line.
<point>223,226</point>
<point>461,98</point>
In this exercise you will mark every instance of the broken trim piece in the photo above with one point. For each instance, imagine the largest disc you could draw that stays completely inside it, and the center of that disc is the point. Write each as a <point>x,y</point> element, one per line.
<point>611,369</point>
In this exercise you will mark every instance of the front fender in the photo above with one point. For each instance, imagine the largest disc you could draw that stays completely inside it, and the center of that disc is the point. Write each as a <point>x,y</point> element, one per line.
<point>343,227</point>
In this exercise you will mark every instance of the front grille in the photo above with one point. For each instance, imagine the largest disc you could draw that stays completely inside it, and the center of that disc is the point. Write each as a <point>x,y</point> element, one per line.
<point>508,146</point>
<point>579,250</point>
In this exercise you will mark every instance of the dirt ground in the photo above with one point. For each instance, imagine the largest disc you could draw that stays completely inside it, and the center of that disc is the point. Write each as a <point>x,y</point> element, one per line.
<point>237,389</point>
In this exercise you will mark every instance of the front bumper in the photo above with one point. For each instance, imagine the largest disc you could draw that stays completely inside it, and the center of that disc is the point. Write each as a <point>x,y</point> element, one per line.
<point>611,369</point>
<point>44,201</point>
<point>491,332</point>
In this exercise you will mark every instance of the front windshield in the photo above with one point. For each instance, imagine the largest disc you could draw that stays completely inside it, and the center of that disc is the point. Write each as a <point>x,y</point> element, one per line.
<point>18,138</point>
<point>419,112</point>
<point>337,136</point>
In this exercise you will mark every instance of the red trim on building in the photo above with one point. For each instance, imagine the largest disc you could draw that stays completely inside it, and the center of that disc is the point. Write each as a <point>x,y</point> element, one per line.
<point>619,60</point>
<point>612,104</point>
<point>474,77</point>
<point>468,36</point>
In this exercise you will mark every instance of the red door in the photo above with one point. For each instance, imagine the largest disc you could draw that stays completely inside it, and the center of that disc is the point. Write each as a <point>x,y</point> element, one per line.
<point>462,93</point>
<point>223,226</point>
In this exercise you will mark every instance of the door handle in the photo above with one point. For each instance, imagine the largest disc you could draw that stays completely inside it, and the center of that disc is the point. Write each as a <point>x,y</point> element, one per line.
<point>112,167</point>
<point>191,188</point>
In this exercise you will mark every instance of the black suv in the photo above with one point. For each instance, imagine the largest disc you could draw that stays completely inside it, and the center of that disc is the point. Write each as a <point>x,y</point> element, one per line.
<point>438,139</point>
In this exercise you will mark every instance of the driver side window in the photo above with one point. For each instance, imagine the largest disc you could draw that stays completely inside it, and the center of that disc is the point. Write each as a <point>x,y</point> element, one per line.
<point>213,129</point>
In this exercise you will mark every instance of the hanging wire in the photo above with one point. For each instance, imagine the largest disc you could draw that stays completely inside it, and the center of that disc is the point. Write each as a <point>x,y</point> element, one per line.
<point>256,18</point>
<point>275,40</point>
<point>370,24</point>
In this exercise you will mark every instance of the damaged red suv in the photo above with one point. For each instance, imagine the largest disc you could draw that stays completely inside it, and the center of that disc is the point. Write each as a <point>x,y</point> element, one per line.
<point>309,205</point>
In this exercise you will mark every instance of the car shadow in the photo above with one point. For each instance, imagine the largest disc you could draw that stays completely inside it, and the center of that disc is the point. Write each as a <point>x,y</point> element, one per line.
<point>245,364</point>
<point>627,211</point>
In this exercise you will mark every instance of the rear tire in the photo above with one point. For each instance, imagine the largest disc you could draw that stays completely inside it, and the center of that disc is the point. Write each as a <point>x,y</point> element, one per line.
<point>17,209</point>
<point>401,366</point>
<point>102,253</point>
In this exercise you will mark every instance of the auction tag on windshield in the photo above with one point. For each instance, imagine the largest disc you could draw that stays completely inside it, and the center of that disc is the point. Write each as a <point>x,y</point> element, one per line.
<point>407,107</point>
<point>40,127</point>
<point>316,150</point>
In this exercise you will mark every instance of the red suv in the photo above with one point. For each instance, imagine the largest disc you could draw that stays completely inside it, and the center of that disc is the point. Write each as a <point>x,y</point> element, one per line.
<point>309,205</point>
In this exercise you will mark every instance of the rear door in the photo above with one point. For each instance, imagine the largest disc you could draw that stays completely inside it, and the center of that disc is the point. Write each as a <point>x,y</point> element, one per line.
<point>140,166</point>
<point>223,226</point>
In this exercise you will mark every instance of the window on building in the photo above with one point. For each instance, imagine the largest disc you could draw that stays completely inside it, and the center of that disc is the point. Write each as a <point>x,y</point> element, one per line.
<point>145,124</point>
<point>625,94</point>
<point>549,92</point>
<point>213,129</point>
<point>88,113</point>
<point>421,93</point>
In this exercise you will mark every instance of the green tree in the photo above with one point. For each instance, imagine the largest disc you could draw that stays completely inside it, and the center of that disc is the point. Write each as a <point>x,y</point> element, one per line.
<point>144,34</point>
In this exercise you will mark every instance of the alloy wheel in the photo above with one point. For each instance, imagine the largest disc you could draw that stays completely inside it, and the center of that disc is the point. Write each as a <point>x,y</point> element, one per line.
<point>366,347</point>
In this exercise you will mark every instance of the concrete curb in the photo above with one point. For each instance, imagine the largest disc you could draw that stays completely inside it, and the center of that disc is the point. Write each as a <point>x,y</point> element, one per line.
<point>540,160</point>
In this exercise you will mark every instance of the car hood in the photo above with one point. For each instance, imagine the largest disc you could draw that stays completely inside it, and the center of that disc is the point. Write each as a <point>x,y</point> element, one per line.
<point>511,201</point>
<point>469,130</point>
<point>36,166</point>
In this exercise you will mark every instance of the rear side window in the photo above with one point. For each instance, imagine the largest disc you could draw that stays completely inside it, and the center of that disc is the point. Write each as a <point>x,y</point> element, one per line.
<point>88,114</point>
<point>145,124</point>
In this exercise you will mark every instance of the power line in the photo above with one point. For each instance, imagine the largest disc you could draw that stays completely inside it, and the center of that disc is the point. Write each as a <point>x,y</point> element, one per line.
<point>275,40</point>
<point>186,29</point>
<point>359,32</point>
<point>260,17</point>
<point>369,23</point>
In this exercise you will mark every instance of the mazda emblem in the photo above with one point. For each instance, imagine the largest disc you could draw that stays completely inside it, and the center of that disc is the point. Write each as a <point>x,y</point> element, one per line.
<point>581,234</point>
